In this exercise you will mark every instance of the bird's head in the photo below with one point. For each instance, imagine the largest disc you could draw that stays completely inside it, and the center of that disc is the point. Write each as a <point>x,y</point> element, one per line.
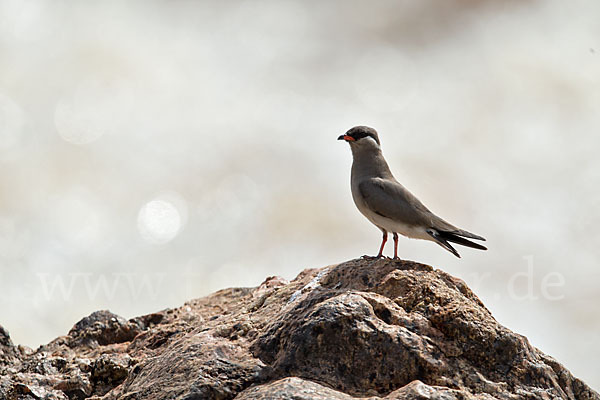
<point>361,136</point>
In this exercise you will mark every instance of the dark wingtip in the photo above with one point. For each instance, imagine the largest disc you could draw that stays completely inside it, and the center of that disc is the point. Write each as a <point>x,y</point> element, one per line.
<point>453,250</point>
<point>456,238</point>
<point>462,233</point>
<point>469,235</point>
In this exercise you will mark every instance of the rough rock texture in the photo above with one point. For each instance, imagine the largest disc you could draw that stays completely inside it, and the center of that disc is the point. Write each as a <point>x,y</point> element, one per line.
<point>368,328</point>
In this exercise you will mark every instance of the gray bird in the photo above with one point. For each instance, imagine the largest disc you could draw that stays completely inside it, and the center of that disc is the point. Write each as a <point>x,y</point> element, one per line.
<point>390,206</point>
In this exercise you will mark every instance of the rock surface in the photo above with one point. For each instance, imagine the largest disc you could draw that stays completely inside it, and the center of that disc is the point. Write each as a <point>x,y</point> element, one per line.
<point>367,328</point>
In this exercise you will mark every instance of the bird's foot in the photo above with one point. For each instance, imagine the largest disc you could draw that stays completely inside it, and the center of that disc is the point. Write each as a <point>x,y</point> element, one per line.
<point>368,257</point>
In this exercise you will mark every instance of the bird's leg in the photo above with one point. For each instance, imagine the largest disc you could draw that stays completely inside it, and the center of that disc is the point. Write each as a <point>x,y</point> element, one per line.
<point>395,245</point>
<point>382,245</point>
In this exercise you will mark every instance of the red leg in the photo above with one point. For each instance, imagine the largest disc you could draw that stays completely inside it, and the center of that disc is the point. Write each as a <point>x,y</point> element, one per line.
<point>395,245</point>
<point>382,245</point>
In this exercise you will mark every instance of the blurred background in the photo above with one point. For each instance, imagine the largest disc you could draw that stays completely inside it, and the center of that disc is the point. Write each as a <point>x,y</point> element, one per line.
<point>155,151</point>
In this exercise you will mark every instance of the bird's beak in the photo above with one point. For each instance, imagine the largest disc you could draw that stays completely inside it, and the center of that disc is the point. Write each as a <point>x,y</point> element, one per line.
<point>346,138</point>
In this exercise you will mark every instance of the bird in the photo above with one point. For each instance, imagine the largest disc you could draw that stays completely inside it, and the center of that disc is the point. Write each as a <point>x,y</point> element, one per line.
<point>389,205</point>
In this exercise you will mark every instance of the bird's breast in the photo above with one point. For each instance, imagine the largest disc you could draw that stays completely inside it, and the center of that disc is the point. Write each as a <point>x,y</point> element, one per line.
<point>385,223</point>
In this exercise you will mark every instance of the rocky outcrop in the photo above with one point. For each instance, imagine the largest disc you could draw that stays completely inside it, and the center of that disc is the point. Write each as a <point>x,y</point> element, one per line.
<point>367,328</point>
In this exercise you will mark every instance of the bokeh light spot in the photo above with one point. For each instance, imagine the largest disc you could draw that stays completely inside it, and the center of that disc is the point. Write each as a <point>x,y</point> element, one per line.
<point>159,221</point>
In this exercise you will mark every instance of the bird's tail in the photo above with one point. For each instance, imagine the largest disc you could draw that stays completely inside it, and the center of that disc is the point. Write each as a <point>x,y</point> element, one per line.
<point>443,237</point>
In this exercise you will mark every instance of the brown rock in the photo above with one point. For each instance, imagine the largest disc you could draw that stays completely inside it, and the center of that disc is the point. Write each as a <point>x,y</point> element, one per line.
<point>109,370</point>
<point>292,388</point>
<point>4,338</point>
<point>370,329</point>
<point>102,328</point>
<point>8,352</point>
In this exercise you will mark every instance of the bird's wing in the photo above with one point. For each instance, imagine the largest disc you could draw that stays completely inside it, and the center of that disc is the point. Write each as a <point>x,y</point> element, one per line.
<point>390,199</point>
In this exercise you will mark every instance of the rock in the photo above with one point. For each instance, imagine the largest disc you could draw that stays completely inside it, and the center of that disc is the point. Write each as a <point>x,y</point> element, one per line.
<point>368,328</point>
<point>5,338</point>
<point>300,389</point>
<point>292,388</point>
<point>9,361</point>
<point>8,353</point>
<point>102,328</point>
<point>200,366</point>
<point>109,370</point>
<point>369,332</point>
